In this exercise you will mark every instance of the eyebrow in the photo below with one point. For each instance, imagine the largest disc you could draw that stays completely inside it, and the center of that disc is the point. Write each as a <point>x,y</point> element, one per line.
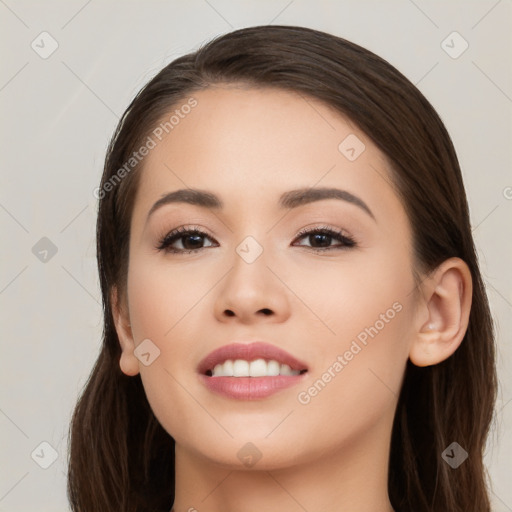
<point>288,200</point>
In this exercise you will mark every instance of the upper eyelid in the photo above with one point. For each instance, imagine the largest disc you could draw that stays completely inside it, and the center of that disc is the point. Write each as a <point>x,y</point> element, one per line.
<point>303,231</point>
<point>184,230</point>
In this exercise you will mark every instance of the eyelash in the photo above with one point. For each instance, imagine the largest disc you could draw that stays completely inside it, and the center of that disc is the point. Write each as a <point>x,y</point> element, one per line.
<point>347,241</point>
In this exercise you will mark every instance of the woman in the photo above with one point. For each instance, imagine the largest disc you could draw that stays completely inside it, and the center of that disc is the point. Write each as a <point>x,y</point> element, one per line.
<point>294,317</point>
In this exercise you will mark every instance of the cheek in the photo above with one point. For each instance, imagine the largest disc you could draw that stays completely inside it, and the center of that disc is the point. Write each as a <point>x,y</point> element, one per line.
<point>370,309</point>
<point>166,307</point>
<point>365,291</point>
<point>161,297</point>
<point>359,380</point>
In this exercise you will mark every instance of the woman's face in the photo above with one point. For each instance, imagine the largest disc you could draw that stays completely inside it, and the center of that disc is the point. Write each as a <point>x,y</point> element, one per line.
<point>344,309</point>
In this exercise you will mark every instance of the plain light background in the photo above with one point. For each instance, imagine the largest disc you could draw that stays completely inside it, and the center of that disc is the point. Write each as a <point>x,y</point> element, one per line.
<point>59,112</point>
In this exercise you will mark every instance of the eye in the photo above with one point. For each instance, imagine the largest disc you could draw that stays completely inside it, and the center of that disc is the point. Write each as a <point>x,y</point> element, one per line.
<point>190,239</point>
<point>320,238</point>
<point>185,240</point>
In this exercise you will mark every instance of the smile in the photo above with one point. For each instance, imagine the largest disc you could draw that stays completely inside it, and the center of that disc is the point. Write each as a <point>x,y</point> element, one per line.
<point>250,371</point>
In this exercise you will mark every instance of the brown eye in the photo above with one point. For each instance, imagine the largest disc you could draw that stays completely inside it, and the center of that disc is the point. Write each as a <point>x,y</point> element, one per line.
<point>190,240</point>
<point>321,239</point>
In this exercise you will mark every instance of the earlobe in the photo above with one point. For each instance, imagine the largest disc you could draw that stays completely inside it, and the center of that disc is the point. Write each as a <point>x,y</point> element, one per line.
<point>128,363</point>
<point>447,296</point>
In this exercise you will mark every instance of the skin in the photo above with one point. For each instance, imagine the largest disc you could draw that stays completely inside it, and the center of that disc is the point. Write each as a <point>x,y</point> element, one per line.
<point>248,146</point>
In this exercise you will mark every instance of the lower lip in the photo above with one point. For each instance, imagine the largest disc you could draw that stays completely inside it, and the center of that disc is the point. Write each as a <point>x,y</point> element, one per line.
<point>249,388</point>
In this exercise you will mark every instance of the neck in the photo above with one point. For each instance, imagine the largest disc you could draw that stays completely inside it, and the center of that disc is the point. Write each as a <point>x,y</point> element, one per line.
<point>352,477</point>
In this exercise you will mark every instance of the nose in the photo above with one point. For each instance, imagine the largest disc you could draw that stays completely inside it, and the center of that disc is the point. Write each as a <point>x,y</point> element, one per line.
<point>251,293</point>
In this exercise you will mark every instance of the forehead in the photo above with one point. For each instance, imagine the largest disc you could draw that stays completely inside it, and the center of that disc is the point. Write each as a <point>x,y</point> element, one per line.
<point>249,144</point>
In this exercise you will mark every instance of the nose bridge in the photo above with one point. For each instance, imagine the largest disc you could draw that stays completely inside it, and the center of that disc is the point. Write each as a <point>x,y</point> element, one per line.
<point>250,249</point>
<point>250,272</point>
<point>250,289</point>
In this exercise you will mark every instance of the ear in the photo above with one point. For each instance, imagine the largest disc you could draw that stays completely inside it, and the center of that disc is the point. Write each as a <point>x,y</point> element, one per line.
<point>128,363</point>
<point>442,319</point>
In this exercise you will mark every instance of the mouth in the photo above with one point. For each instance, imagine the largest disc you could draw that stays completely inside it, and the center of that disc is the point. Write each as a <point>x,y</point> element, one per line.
<point>250,371</point>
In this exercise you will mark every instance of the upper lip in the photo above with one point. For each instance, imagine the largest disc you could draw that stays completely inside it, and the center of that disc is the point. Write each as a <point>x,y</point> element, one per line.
<point>249,352</point>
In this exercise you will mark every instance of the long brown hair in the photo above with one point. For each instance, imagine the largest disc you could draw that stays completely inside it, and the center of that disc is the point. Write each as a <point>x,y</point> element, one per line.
<point>121,459</point>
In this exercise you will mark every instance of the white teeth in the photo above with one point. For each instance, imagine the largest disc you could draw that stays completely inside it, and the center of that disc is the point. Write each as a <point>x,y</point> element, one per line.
<point>285,370</point>
<point>228,369</point>
<point>256,368</point>
<point>273,368</point>
<point>240,368</point>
